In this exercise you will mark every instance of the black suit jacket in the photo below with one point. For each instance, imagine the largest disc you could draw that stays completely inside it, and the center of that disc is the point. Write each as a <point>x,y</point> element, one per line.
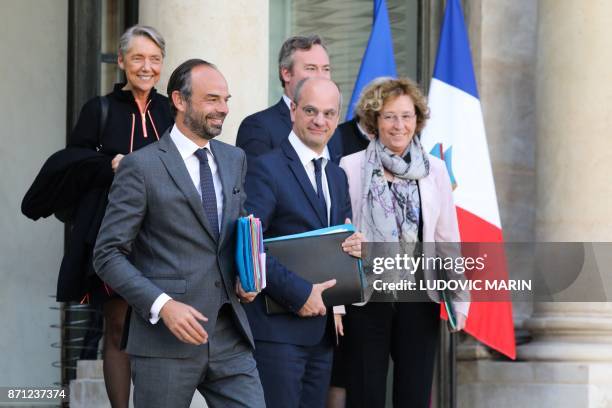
<point>265,130</point>
<point>353,140</point>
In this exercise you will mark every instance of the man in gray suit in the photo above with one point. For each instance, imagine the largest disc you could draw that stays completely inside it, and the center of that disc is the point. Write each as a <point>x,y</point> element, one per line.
<point>167,246</point>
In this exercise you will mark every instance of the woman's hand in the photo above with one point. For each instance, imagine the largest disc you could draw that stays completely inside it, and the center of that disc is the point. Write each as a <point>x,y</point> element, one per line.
<point>460,322</point>
<point>338,324</point>
<point>115,162</point>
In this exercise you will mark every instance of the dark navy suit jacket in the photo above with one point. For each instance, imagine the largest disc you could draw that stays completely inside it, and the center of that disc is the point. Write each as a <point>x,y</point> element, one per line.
<point>281,195</point>
<point>353,140</point>
<point>266,130</point>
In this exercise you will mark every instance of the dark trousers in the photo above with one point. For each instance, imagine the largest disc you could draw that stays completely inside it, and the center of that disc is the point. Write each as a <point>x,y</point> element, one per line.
<point>409,333</point>
<point>294,376</point>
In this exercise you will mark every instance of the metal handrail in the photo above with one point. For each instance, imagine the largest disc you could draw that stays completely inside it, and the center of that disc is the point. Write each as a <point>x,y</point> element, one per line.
<point>75,323</point>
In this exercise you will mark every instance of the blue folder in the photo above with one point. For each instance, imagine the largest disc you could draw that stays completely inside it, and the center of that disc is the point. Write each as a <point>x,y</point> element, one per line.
<point>314,233</point>
<point>248,237</point>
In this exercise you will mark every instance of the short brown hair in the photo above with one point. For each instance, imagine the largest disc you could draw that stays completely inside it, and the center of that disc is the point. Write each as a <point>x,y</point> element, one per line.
<point>180,80</point>
<point>293,44</point>
<point>380,91</point>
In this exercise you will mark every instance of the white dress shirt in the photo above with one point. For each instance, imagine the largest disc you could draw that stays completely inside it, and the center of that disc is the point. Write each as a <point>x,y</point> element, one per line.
<point>187,149</point>
<point>306,156</point>
<point>287,101</point>
<point>364,134</point>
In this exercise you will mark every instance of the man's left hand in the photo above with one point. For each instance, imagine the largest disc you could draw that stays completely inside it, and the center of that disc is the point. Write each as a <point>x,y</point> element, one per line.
<point>352,245</point>
<point>245,297</point>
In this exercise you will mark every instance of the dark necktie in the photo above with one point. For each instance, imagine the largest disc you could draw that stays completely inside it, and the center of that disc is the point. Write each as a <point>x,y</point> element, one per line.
<point>209,198</point>
<point>318,178</point>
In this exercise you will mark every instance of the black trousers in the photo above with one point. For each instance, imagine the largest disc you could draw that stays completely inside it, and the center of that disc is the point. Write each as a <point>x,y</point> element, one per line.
<point>409,333</point>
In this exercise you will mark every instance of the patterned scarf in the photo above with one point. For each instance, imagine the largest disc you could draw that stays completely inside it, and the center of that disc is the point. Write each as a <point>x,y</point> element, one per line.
<point>391,214</point>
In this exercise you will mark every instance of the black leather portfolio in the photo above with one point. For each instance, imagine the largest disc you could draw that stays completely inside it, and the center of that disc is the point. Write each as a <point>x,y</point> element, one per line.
<point>318,259</point>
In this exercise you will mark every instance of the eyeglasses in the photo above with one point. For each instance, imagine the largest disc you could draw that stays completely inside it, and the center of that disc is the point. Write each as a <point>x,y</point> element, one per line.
<point>313,112</point>
<point>404,117</point>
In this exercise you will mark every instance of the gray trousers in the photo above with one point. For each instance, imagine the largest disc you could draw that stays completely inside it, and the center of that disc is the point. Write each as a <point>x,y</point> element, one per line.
<point>225,373</point>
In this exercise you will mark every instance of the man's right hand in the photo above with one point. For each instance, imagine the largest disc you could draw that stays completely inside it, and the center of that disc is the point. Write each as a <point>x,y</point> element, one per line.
<point>182,320</point>
<point>314,305</point>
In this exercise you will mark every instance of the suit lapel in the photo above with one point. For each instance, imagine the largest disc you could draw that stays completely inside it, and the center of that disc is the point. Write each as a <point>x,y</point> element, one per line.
<point>172,160</point>
<point>334,146</point>
<point>224,167</point>
<point>300,174</point>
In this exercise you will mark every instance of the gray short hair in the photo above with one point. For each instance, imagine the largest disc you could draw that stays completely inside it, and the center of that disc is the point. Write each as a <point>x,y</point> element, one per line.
<point>144,31</point>
<point>300,86</point>
<point>290,46</point>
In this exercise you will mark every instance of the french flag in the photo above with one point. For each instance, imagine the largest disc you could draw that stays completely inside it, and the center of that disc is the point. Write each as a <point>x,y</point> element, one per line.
<point>378,59</point>
<point>456,134</point>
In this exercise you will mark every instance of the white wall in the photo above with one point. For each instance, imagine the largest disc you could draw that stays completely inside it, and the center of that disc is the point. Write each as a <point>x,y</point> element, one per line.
<point>33,38</point>
<point>233,35</point>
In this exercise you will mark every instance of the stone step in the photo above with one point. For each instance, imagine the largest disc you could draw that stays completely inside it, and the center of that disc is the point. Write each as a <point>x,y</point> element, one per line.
<point>90,369</point>
<point>88,393</point>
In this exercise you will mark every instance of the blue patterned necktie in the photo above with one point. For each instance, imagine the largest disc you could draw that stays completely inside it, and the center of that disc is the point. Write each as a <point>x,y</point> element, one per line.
<point>209,198</point>
<point>318,177</point>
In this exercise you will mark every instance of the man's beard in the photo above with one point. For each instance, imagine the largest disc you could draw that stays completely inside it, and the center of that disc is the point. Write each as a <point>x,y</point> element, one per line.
<point>196,122</point>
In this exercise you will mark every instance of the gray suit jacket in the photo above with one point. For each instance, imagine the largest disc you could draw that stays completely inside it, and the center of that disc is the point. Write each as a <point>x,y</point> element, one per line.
<point>156,238</point>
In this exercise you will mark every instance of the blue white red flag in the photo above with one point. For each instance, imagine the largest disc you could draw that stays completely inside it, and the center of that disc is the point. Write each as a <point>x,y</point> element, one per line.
<point>456,133</point>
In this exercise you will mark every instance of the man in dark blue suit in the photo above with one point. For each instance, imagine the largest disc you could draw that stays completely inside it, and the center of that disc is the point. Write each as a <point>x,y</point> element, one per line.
<point>354,137</point>
<point>293,189</point>
<point>300,57</point>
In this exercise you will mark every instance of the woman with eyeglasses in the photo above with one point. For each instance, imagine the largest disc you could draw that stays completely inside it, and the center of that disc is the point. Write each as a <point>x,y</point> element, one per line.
<point>399,195</point>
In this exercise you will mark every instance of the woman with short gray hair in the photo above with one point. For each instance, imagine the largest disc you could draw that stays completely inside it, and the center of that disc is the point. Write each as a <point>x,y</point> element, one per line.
<point>132,116</point>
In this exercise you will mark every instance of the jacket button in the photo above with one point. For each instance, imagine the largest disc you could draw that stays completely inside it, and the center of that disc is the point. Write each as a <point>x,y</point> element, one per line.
<point>217,284</point>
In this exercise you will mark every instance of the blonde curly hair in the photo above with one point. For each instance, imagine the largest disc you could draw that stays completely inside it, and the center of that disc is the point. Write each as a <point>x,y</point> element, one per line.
<point>382,90</point>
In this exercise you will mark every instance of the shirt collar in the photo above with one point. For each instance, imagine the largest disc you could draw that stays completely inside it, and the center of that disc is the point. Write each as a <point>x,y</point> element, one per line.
<point>304,152</point>
<point>185,146</point>
<point>363,132</point>
<point>287,101</point>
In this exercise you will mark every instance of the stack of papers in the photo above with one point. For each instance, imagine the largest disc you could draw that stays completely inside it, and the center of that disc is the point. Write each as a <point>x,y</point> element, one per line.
<point>250,254</point>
